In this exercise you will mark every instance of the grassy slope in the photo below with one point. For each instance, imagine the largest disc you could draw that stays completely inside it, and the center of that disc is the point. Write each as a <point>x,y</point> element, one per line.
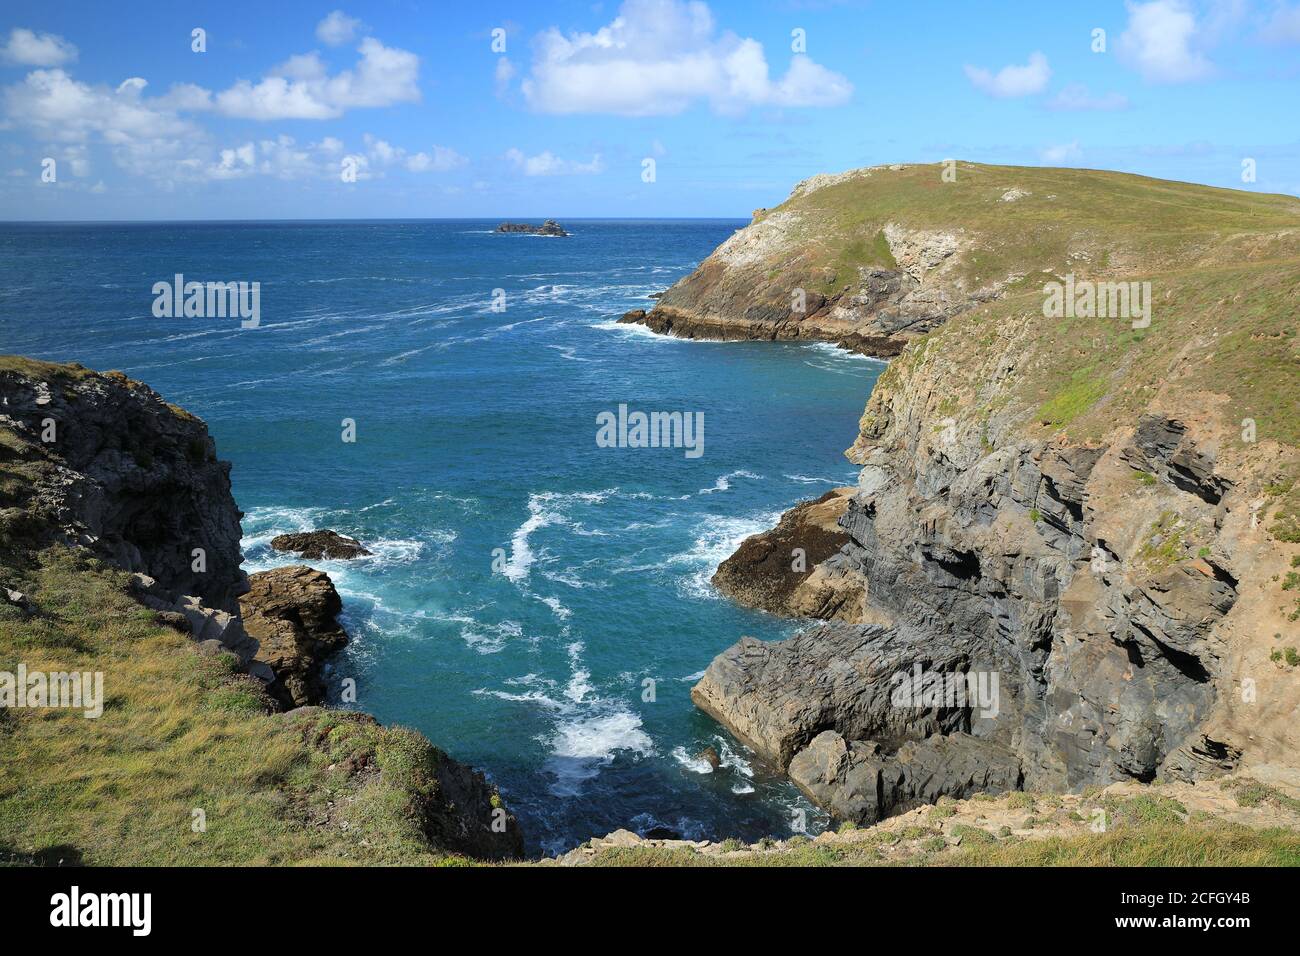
<point>181,731</point>
<point>1123,223</point>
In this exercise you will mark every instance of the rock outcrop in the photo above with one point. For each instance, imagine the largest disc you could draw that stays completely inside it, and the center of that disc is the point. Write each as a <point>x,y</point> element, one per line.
<point>549,228</point>
<point>292,613</point>
<point>104,462</point>
<point>772,570</point>
<point>315,545</point>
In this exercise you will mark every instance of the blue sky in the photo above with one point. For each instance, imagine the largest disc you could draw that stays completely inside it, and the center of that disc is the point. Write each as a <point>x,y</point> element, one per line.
<point>733,102</point>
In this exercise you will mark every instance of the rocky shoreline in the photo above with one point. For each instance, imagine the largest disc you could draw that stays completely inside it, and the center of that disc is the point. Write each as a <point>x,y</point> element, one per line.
<point>136,482</point>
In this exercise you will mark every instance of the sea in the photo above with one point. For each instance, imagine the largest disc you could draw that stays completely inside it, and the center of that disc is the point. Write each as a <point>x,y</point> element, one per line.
<point>538,603</point>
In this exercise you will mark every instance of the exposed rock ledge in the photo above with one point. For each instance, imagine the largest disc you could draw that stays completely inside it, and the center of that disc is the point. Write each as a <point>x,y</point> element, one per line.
<point>821,707</point>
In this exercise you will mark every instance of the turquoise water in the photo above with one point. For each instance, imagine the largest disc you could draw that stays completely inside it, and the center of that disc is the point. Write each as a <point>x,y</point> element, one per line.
<point>475,443</point>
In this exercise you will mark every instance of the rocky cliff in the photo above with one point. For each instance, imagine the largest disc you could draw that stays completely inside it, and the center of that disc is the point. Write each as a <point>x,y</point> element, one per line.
<point>1093,515</point>
<point>118,533</point>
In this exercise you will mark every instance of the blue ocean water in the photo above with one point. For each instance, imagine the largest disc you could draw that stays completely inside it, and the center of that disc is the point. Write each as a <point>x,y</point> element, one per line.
<point>475,443</point>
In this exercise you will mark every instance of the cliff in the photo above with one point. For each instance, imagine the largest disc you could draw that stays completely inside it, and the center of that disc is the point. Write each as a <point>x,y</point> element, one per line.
<point>119,557</point>
<point>873,258</point>
<point>1100,516</point>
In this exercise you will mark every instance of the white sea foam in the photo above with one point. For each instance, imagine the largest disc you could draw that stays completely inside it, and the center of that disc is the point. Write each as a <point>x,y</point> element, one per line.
<point>580,748</point>
<point>830,348</point>
<point>693,764</point>
<point>718,538</point>
<point>723,483</point>
<point>804,479</point>
<point>544,510</point>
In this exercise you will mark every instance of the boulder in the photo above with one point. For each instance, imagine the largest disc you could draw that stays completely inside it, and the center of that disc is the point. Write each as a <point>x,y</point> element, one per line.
<point>292,613</point>
<point>777,696</point>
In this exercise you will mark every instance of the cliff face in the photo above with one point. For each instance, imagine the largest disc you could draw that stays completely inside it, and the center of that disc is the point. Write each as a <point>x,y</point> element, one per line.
<point>99,477</point>
<point>1100,516</point>
<point>102,461</point>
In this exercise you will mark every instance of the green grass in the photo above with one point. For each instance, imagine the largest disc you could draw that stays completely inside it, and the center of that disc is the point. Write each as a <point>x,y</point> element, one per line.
<point>180,732</point>
<point>1152,844</point>
<point>1252,793</point>
<point>1084,391</point>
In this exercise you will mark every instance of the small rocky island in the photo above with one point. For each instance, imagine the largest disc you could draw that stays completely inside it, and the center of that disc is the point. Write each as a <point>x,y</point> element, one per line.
<point>548,228</point>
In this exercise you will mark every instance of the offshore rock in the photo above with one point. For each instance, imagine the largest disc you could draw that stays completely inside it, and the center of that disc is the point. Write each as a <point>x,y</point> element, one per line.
<point>314,545</point>
<point>549,228</point>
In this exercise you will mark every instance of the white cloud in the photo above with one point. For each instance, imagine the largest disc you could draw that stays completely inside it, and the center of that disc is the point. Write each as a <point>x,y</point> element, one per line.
<point>548,164</point>
<point>337,28</point>
<point>1063,154</point>
<point>1076,97</point>
<point>185,96</point>
<point>1012,80</point>
<point>658,57</point>
<point>63,109</point>
<point>301,87</point>
<point>1160,42</point>
<point>27,48</point>
<point>440,159</point>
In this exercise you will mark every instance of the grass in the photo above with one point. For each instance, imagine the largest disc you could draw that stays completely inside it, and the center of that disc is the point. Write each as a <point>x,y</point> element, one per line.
<point>1152,844</point>
<point>1168,542</point>
<point>183,732</point>
<point>1252,793</point>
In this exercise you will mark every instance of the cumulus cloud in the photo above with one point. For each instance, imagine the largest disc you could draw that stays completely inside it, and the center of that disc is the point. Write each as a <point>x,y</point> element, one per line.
<point>1076,97</point>
<point>28,48</point>
<point>548,164</point>
<point>63,109</point>
<point>337,28</point>
<point>1161,40</point>
<point>302,87</point>
<point>1012,80</point>
<point>658,57</point>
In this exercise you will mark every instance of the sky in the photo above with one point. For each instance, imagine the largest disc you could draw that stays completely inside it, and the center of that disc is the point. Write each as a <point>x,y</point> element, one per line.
<point>153,109</point>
